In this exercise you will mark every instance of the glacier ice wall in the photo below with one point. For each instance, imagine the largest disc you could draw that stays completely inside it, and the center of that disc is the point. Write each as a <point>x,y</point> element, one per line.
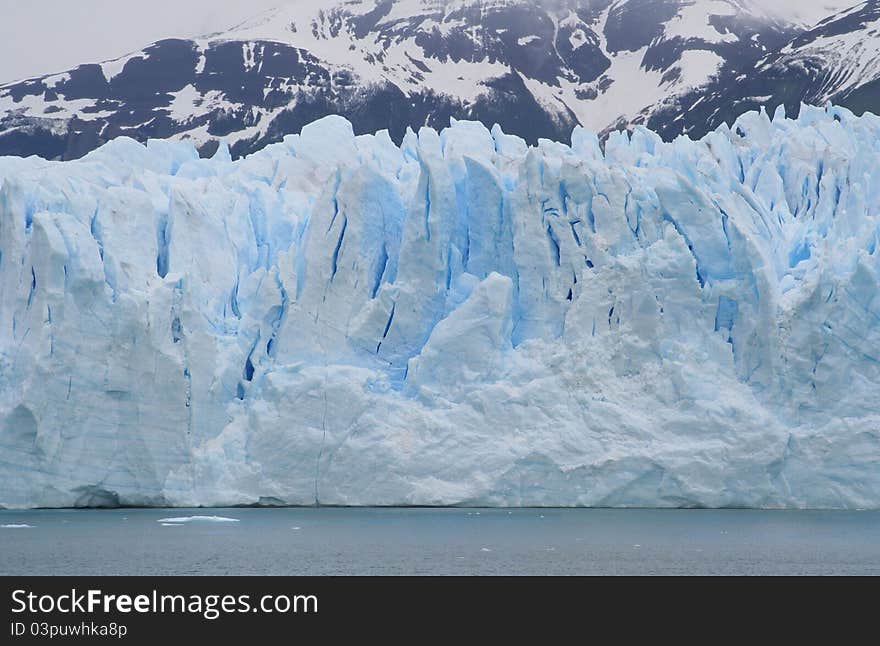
<point>458,320</point>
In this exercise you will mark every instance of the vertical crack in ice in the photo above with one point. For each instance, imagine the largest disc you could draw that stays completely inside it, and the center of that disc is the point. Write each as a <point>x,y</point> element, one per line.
<point>574,233</point>
<point>233,298</point>
<point>591,214</point>
<point>278,321</point>
<point>427,202</point>
<point>95,231</point>
<point>725,231</point>
<point>163,241</point>
<point>248,372</point>
<point>591,218</point>
<point>387,326</point>
<point>178,336</point>
<point>188,379</point>
<point>337,181</point>
<point>554,245</point>
<point>380,272</point>
<point>33,288</point>
<point>690,246</point>
<point>563,198</point>
<point>335,260</point>
<point>725,317</point>
<point>634,228</point>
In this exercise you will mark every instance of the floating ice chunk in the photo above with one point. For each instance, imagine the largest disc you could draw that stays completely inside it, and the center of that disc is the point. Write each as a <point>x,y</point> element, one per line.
<point>17,526</point>
<point>197,519</point>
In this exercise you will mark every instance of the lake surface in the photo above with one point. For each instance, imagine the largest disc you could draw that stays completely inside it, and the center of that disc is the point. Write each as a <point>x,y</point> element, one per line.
<point>439,541</point>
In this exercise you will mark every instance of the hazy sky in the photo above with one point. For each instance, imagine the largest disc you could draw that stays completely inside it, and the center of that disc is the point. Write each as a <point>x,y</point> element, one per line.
<point>43,36</point>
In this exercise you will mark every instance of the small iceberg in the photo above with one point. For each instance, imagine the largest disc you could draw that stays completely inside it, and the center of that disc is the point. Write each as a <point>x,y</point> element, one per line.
<point>196,519</point>
<point>14,526</point>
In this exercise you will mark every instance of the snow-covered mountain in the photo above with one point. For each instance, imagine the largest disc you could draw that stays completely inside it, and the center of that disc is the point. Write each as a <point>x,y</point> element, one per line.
<point>462,319</point>
<point>837,60</point>
<point>536,68</point>
<point>843,50</point>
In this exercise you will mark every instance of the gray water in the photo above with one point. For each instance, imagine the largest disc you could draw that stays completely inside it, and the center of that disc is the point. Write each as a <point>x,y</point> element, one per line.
<point>440,541</point>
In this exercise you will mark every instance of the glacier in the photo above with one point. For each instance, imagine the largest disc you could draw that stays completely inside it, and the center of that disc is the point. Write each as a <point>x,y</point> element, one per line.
<point>458,320</point>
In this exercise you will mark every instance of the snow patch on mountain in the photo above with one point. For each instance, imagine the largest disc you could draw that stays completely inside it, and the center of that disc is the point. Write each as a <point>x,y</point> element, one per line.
<point>849,58</point>
<point>694,21</point>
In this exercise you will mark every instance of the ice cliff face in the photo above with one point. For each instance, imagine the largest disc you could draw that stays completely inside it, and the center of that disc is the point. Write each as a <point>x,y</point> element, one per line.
<point>460,319</point>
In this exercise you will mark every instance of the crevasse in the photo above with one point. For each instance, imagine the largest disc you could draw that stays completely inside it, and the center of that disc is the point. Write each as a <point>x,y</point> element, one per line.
<point>458,320</point>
